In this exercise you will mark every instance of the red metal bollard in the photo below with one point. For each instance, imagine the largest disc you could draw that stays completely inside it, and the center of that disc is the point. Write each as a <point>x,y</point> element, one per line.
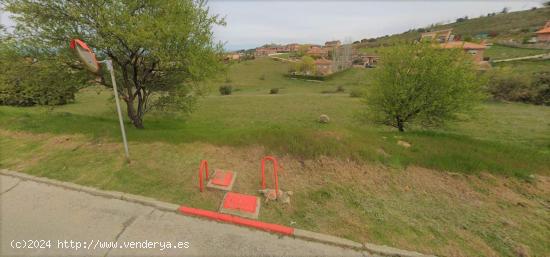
<point>275,167</point>
<point>204,165</point>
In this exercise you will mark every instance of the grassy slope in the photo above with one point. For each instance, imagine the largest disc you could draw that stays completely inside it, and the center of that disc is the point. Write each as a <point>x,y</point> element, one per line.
<point>287,123</point>
<point>412,208</point>
<point>497,52</point>
<point>509,26</point>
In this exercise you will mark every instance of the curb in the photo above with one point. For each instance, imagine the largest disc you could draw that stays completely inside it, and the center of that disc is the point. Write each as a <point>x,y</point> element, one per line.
<point>97,192</point>
<point>270,227</point>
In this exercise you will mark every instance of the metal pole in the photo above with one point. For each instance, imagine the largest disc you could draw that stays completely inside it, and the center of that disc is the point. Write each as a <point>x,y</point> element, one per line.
<point>112,71</point>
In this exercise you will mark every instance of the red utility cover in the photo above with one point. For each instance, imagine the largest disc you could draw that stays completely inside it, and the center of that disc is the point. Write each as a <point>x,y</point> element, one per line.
<point>222,178</point>
<point>240,202</point>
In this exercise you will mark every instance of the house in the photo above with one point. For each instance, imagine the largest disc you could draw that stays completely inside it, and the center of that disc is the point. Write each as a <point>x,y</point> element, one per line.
<point>439,36</point>
<point>316,51</point>
<point>543,35</point>
<point>323,66</point>
<point>332,44</point>
<point>232,57</point>
<point>265,51</point>
<point>370,60</point>
<point>476,50</point>
<point>294,47</point>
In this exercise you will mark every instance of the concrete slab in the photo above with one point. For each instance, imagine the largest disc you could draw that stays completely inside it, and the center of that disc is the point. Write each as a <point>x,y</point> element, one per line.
<point>36,211</point>
<point>220,182</point>
<point>7,183</point>
<point>208,238</point>
<point>247,206</point>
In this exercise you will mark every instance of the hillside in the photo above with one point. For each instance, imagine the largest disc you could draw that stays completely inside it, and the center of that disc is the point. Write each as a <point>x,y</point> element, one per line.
<point>513,25</point>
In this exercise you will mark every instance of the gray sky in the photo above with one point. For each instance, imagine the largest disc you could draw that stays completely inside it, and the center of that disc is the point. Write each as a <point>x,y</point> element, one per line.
<point>254,23</point>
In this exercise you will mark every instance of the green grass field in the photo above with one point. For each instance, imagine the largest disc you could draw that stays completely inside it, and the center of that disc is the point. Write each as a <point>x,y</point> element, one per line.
<point>498,52</point>
<point>477,187</point>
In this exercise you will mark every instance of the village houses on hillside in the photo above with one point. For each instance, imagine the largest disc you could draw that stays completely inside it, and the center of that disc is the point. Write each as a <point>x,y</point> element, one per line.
<point>447,40</point>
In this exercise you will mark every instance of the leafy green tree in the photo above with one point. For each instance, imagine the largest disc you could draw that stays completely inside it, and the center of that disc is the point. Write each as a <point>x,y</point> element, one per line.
<point>307,64</point>
<point>160,48</point>
<point>422,83</point>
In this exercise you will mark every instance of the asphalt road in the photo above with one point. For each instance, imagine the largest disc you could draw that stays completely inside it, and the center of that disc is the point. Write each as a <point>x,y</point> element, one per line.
<point>42,220</point>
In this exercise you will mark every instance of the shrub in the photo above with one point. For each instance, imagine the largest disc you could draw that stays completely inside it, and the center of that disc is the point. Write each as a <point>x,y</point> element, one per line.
<point>274,91</point>
<point>340,89</point>
<point>226,90</point>
<point>509,86</point>
<point>262,77</point>
<point>541,84</point>
<point>34,81</point>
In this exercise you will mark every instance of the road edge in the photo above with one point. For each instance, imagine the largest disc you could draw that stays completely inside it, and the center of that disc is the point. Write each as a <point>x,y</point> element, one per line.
<point>169,207</point>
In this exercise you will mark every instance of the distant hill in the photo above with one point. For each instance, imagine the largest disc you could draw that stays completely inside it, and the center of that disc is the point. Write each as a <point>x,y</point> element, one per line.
<point>500,26</point>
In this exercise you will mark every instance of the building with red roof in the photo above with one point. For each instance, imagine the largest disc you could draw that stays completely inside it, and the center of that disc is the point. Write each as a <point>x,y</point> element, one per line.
<point>543,35</point>
<point>476,50</point>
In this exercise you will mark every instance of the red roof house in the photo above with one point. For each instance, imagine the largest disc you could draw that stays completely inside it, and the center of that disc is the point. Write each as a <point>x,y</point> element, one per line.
<point>543,35</point>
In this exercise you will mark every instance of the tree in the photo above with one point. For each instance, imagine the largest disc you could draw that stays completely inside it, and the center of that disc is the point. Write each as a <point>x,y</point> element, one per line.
<point>422,83</point>
<point>307,65</point>
<point>160,48</point>
<point>302,50</point>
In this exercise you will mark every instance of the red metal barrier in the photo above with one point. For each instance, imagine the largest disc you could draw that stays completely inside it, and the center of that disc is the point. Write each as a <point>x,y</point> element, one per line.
<point>204,165</point>
<point>237,220</point>
<point>275,167</point>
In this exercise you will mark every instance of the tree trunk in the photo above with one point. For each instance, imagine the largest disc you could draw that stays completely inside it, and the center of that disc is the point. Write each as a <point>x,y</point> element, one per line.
<point>137,120</point>
<point>400,124</point>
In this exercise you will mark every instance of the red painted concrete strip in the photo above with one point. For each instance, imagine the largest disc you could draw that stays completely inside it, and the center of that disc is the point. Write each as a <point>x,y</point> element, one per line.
<point>237,220</point>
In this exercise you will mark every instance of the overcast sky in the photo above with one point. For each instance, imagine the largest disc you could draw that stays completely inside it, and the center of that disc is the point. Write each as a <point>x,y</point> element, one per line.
<point>255,22</point>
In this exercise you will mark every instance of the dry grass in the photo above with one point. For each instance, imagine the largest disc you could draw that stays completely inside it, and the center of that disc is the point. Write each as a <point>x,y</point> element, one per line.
<point>448,214</point>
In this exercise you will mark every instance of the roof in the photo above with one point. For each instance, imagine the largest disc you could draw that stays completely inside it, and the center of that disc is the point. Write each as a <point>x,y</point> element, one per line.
<point>543,30</point>
<point>462,44</point>
<point>317,50</point>
<point>429,33</point>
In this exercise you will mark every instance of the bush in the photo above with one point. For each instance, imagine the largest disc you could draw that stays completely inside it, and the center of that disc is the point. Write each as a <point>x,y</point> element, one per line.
<point>274,91</point>
<point>32,81</point>
<point>541,85</point>
<point>226,90</point>
<point>340,89</point>
<point>509,86</point>
<point>262,77</point>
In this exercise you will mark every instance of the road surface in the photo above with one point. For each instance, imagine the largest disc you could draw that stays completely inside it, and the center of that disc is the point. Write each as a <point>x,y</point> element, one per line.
<point>55,221</point>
